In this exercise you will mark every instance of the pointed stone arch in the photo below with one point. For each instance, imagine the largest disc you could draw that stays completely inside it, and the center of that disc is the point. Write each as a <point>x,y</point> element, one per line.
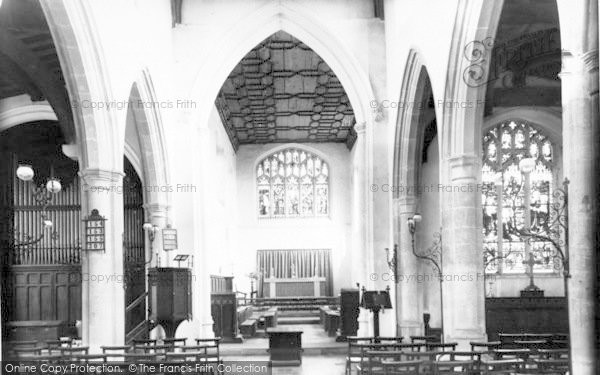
<point>259,25</point>
<point>151,163</point>
<point>81,58</point>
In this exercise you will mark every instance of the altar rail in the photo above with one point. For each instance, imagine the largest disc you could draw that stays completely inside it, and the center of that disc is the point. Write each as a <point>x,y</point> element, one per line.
<point>295,287</point>
<point>292,302</point>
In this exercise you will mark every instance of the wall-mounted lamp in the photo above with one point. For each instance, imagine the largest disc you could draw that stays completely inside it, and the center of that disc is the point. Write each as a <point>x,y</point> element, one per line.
<point>151,229</point>
<point>412,223</point>
<point>393,263</point>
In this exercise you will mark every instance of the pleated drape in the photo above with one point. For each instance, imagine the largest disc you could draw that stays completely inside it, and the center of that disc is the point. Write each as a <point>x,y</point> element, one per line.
<point>287,264</point>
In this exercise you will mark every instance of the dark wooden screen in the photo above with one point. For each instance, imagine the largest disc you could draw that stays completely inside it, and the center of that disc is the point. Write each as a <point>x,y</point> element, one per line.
<point>41,281</point>
<point>134,257</point>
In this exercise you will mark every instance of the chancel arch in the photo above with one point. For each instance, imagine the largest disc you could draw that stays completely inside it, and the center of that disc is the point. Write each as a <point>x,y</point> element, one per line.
<point>265,21</point>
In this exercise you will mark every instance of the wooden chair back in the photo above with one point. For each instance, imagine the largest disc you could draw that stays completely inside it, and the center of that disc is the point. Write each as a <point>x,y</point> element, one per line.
<point>454,367</point>
<point>437,346</point>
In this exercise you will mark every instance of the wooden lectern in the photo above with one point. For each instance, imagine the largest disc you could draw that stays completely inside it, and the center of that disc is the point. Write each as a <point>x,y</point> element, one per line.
<point>376,300</point>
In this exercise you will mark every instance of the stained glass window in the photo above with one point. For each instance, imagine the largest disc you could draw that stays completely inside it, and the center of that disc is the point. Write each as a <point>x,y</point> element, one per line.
<point>512,200</point>
<point>292,183</point>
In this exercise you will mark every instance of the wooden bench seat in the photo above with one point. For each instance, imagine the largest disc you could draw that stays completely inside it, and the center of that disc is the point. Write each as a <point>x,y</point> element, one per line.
<point>248,327</point>
<point>332,322</point>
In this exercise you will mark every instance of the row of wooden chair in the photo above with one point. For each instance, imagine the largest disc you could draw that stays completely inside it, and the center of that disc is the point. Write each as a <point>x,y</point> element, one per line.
<point>423,348</point>
<point>205,347</point>
<point>454,362</point>
<point>358,346</point>
<point>534,340</point>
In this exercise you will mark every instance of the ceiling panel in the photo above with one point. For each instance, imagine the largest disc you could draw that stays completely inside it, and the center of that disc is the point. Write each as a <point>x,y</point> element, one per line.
<point>282,91</point>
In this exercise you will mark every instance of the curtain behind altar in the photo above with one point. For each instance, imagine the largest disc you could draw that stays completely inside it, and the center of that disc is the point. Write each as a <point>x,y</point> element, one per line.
<point>289,264</point>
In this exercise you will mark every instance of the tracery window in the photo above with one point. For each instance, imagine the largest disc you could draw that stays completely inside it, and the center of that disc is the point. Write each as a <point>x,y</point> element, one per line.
<point>292,183</point>
<point>513,200</point>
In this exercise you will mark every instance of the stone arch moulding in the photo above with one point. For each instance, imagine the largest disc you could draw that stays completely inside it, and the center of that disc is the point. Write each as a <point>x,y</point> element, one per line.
<point>468,66</point>
<point>22,114</point>
<point>406,138</point>
<point>82,62</point>
<point>549,120</point>
<point>150,131</point>
<point>259,25</point>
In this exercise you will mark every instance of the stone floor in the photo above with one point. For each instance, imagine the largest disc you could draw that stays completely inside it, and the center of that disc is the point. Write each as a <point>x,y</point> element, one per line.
<point>314,342</point>
<point>311,364</point>
<point>322,354</point>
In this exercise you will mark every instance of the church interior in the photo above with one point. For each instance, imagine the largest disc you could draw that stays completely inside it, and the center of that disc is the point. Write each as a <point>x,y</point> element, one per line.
<point>301,186</point>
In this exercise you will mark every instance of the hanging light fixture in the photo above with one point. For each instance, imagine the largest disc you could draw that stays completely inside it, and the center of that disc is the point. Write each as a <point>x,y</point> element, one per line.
<point>53,185</point>
<point>24,171</point>
<point>42,196</point>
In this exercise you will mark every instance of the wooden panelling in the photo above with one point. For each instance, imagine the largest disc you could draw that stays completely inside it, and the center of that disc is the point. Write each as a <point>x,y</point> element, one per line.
<point>41,282</point>
<point>46,293</point>
<point>529,315</point>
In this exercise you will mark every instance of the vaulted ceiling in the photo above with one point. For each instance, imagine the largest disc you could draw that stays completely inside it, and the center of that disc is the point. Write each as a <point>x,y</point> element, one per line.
<point>282,91</point>
<point>29,62</point>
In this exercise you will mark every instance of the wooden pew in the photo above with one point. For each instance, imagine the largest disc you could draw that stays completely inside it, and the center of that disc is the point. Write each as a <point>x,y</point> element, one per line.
<point>248,327</point>
<point>332,322</point>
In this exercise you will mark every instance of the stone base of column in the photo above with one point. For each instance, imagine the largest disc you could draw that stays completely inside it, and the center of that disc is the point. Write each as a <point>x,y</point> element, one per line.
<point>464,338</point>
<point>365,324</point>
<point>410,328</point>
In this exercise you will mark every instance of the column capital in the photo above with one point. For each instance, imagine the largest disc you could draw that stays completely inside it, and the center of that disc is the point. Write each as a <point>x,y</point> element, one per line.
<point>463,167</point>
<point>99,177</point>
<point>405,204</point>
<point>156,210</point>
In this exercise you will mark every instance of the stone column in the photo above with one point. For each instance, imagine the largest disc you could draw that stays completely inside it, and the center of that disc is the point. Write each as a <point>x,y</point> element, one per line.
<point>580,136</point>
<point>157,215</point>
<point>202,319</point>
<point>103,293</point>
<point>579,84</point>
<point>360,251</point>
<point>463,285</point>
<point>408,312</point>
